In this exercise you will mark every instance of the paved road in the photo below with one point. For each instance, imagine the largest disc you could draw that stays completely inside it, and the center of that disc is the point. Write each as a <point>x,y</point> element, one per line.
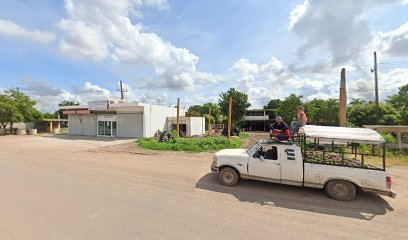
<point>60,188</point>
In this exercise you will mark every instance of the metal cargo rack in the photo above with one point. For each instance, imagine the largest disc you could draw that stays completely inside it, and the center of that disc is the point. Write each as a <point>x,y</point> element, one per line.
<point>341,146</point>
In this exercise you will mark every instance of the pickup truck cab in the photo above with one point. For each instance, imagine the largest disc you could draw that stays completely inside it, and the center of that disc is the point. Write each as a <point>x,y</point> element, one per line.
<point>284,163</point>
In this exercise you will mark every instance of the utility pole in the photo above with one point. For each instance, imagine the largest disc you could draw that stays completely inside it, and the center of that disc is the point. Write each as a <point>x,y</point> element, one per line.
<point>343,98</point>
<point>209,122</point>
<point>121,90</point>
<point>229,118</point>
<point>377,108</point>
<point>178,117</point>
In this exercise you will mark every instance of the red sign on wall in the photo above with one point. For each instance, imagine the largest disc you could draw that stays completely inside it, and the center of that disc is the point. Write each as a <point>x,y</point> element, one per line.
<point>83,112</point>
<point>70,112</point>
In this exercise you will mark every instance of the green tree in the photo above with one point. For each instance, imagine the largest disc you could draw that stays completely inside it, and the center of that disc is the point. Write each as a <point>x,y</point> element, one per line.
<point>215,112</point>
<point>68,103</point>
<point>9,112</point>
<point>49,115</point>
<point>65,103</point>
<point>357,101</point>
<point>323,112</point>
<point>202,110</point>
<point>400,102</point>
<point>287,108</point>
<point>240,104</point>
<point>360,115</point>
<point>273,104</point>
<point>193,113</point>
<point>24,105</point>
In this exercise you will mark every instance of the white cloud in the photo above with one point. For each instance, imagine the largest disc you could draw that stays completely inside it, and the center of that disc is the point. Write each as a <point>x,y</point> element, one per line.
<point>89,92</point>
<point>335,26</point>
<point>48,96</point>
<point>244,66</point>
<point>298,12</point>
<point>82,41</point>
<point>11,29</point>
<point>160,4</point>
<point>103,30</point>
<point>388,84</point>
<point>393,43</point>
<point>39,88</point>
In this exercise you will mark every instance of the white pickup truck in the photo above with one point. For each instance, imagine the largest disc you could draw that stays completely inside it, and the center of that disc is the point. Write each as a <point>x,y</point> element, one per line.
<point>283,162</point>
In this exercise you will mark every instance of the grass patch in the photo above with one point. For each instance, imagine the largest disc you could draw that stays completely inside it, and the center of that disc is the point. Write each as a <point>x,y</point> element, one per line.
<point>390,161</point>
<point>204,144</point>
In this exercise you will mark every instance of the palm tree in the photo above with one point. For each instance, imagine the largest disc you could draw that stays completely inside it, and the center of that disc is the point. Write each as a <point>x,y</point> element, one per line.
<point>357,101</point>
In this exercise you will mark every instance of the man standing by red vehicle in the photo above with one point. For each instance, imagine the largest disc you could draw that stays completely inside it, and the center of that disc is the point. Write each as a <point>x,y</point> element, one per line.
<point>280,130</point>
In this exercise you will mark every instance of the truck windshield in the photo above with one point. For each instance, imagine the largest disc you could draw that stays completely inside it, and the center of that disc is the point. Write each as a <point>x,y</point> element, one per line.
<point>250,151</point>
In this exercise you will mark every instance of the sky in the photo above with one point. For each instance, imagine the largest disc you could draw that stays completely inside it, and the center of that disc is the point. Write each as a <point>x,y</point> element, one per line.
<point>79,50</point>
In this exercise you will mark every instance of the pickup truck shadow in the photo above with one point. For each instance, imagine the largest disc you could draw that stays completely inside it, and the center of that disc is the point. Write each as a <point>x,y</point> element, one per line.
<point>365,206</point>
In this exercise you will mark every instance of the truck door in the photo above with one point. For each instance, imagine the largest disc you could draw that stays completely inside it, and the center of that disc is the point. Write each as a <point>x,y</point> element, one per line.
<point>292,166</point>
<point>266,163</point>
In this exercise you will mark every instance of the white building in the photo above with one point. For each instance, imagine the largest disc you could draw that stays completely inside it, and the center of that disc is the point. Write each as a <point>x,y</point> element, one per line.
<point>189,126</point>
<point>133,120</point>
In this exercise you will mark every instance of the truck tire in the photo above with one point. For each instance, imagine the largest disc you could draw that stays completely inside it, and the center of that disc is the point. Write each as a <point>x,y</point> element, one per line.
<point>228,176</point>
<point>341,190</point>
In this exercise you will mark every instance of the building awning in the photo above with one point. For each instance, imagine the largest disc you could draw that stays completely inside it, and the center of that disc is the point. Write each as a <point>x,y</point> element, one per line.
<point>357,135</point>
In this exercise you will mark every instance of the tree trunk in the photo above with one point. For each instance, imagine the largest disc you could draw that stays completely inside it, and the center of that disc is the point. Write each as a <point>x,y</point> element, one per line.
<point>11,128</point>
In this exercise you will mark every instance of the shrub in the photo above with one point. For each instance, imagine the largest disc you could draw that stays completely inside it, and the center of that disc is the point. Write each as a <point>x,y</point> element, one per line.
<point>193,144</point>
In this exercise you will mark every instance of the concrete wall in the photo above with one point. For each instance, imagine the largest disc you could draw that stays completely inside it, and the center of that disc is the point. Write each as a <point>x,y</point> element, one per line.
<point>74,125</point>
<point>89,125</point>
<point>155,116</point>
<point>194,125</point>
<point>130,125</point>
<point>197,126</point>
<point>22,125</point>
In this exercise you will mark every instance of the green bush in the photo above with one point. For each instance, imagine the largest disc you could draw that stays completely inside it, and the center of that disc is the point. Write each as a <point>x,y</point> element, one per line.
<point>388,138</point>
<point>193,144</point>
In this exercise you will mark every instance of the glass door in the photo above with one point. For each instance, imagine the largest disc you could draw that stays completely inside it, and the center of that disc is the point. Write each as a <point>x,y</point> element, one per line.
<point>107,128</point>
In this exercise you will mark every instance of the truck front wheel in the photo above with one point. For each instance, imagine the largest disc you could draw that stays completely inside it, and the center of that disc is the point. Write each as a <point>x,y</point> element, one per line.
<point>341,190</point>
<point>228,176</point>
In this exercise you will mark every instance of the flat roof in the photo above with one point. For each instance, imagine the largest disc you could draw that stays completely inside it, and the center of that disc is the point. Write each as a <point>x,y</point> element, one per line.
<point>73,107</point>
<point>357,135</point>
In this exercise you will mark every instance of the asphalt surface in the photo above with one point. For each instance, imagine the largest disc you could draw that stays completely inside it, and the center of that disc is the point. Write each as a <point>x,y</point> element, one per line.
<point>68,188</point>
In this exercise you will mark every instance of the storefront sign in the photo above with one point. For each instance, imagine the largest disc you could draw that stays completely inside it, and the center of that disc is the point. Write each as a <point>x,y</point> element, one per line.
<point>69,112</point>
<point>98,105</point>
<point>83,112</point>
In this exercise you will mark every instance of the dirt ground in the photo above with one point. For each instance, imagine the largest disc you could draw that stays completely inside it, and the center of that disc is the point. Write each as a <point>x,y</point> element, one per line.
<point>99,188</point>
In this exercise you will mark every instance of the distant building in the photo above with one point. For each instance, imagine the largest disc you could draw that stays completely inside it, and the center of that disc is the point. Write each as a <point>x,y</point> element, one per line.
<point>259,119</point>
<point>133,120</point>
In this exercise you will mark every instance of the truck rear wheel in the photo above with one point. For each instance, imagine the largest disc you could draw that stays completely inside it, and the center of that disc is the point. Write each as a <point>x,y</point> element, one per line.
<point>341,190</point>
<point>228,176</point>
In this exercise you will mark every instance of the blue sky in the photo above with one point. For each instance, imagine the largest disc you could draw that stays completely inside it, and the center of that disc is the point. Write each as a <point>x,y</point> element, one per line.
<point>164,49</point>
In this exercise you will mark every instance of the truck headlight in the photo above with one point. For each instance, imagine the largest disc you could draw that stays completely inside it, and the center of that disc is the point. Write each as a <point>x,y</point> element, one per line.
<point>214,162</point>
